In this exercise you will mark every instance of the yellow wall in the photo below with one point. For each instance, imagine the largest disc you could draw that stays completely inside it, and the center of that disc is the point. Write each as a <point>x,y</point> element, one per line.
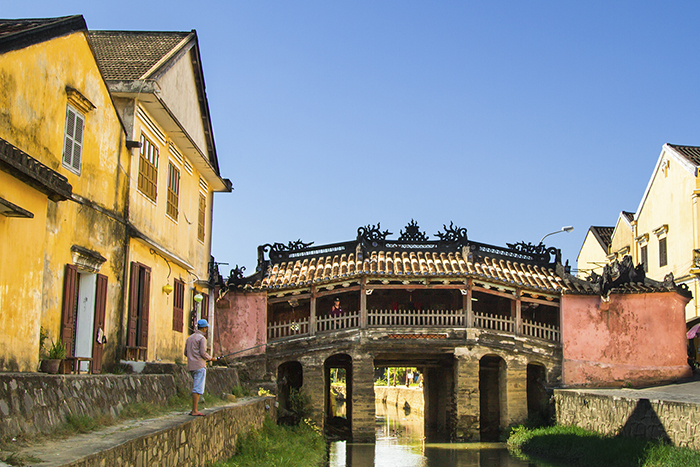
<point>21,271</point>
<point>592,256</point>
<point>622,242</point>
<point>33,104</point>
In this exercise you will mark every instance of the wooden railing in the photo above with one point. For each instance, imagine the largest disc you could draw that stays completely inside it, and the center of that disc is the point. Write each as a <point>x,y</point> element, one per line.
<point>413,318</point>
<point>427,318</point>
<point>541,331</point>
<point>347,320</point>
<point>287,329</point>
<point>493,321</point>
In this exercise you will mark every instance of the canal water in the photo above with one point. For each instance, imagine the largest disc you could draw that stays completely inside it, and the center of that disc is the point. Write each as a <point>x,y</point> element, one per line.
<point>401,442</point>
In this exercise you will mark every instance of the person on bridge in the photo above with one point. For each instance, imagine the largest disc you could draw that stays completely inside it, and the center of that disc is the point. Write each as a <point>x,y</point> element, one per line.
<point>197,358</point>
<point>336,310</point>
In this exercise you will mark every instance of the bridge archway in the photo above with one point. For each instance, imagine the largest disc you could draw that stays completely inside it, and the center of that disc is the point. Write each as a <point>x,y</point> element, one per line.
<point>290,376</point>
<point>538,409</point>
<point>492,396</point>
<point>338,375</point>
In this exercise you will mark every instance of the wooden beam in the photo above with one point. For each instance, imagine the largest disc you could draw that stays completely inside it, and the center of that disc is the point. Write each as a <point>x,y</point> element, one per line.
<point>304,296</point>
<point>494,292</point>
<point>540,302</point>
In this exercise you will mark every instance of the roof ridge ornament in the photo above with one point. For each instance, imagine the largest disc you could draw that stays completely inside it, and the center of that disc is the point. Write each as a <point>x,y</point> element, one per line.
<point>413,233</point>
<point>453,234</point>
<point>372,235</point>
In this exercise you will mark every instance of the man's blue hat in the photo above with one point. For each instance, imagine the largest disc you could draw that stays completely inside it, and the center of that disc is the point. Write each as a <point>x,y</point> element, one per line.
<point>202,323</point>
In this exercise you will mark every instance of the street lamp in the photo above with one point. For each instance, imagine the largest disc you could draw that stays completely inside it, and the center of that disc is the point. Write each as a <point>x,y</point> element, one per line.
<point>568,228</point>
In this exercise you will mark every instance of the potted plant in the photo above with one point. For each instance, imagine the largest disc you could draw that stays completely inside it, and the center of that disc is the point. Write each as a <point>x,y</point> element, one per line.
<point>53,357</point>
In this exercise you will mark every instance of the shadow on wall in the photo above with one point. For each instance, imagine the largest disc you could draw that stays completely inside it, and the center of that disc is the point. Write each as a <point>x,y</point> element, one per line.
<point>643,422</point>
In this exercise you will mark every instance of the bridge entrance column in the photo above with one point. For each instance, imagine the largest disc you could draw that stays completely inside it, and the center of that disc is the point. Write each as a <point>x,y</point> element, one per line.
<point>465,423</point>
<point>516,391</point>
<point>314,387</point>
<point>363,412</point>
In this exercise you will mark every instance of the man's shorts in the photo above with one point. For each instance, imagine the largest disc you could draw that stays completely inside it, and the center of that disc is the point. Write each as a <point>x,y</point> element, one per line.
<point>200,377</point>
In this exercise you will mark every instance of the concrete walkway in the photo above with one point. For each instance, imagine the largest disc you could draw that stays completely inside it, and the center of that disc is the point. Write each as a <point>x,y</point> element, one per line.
<point>686,391</point>
<point>59,452</point>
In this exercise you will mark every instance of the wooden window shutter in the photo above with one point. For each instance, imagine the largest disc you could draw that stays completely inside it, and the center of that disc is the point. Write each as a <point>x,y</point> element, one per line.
<point>100,308</point>
<point>133,304</point>
<point>145,306</point>
<point>73,142</point>
<point>205,307</point>
<point>70,301</point>
<point>178,305</point>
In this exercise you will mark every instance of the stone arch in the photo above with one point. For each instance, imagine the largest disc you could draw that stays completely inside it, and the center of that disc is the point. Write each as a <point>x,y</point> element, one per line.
<point>492,396</point>
<point>538,397</point>
<point>337,420</point>
<point>290,376</point>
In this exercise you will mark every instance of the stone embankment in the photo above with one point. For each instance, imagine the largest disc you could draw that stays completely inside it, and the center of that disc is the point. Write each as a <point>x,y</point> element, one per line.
<point>39,403</point>
<point>670,413</point>
<point>401,397</point>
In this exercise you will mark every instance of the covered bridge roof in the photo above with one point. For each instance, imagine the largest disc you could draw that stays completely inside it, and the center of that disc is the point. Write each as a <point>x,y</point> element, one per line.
<point>450,258</point>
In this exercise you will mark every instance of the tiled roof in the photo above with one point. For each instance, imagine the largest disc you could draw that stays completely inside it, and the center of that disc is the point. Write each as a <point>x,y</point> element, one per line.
<point>19,33</point>
<point>692,153</point>
<point>129,55</point>
<point>407,265</point>
<point>604,233</point>
<point>628,215</point>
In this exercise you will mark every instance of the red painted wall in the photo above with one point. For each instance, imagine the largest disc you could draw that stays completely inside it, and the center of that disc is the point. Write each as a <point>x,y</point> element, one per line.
<point>632,339</point>
<point>241,319</point>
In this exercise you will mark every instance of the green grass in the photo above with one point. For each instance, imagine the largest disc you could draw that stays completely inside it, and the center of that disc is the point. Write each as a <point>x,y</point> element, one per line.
<point>576,447</point>
<point>280,446</point>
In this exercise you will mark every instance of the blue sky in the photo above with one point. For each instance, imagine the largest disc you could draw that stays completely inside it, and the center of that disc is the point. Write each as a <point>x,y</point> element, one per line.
<point>509,118</point>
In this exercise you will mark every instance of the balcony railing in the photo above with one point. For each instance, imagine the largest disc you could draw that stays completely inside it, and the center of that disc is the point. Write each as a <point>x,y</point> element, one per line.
<point>494,322</point>
<point>412,318</point>
<point>424,318</point>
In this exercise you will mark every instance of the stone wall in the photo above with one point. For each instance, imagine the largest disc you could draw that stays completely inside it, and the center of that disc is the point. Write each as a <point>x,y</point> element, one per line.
<point>34,402</point>
<point>197,442</point>
<point>675,422</point>
<point>39,403</point>
<point>400,396</point>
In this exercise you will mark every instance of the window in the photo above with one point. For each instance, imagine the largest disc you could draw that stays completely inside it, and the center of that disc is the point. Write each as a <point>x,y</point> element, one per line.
<point>173,190</point>
<point>663,260</point>
<point>178,305</point>
<point>148,168</point>
<point>202,217</point>
<point>73,140</point>
<point>644,258</point>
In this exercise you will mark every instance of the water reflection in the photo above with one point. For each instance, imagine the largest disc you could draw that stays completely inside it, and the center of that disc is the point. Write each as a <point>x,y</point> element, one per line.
<point>401,443</point>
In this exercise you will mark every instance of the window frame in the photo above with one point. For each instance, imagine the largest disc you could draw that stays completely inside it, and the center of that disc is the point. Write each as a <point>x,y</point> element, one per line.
<point>202,218</point>
<point>172,208</point>
<point>663,252</point>
<point>149,154</point>
<point>72,140</point>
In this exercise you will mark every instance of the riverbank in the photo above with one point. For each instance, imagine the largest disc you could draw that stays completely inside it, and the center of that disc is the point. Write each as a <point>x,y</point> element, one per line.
<point>274,445</point>
<point>576,447</point>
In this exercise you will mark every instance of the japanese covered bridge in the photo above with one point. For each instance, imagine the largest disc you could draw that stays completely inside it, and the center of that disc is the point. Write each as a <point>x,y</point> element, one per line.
<point>482,323</point>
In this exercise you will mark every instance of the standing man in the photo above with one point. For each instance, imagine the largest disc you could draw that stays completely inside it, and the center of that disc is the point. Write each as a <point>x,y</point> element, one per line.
<point>197,358</point>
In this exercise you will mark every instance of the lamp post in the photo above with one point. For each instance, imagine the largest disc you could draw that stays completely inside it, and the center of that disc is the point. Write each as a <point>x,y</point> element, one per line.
<point>567,229</point>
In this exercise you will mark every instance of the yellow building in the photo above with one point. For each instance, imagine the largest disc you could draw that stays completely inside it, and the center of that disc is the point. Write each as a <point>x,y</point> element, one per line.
<point>157,83</point>
<point>666,230</point>
<point>664,234</point>
<point>64,170</point>
<point>594,252</point>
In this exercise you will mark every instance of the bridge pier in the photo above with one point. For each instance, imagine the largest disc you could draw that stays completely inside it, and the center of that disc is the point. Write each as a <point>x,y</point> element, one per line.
<point>314,387</point>
<point>465,423</point>
<point>363,412</point>
<point>516,391</point>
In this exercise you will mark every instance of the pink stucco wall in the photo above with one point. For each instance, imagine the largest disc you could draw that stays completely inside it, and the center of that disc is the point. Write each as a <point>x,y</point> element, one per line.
<point>632,339</point>
<point>240,323</point>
